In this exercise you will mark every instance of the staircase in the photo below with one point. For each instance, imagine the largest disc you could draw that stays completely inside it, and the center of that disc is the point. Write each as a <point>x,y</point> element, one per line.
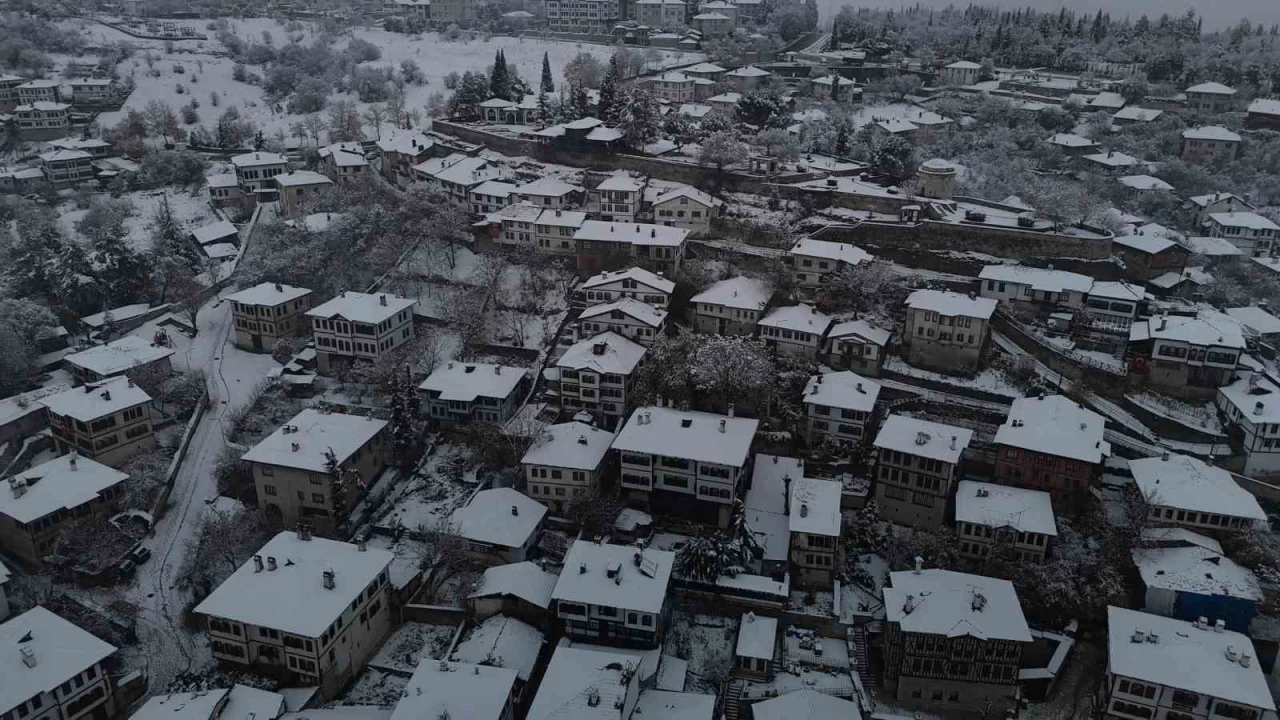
<point>732,696</point>
<point>860,655</point>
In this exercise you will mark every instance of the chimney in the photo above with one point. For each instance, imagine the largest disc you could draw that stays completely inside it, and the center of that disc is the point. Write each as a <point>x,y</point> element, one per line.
<point>786,494</point>
<point>804,510</point>
<point>910,604</point>
<point>257,563</point>
<point>279,288</point>
<point>106,395</point>
<point>919,564</point>
<point>328,579</point>
<point>294,446</point>
<point>1245,658</point>
<point>72,461</point>
<point>732,409</point>
<point>1231,653</point>
<point>304,532</point>
<point>953,442</point>
<point>497,369</point>
<point>582,440</point>
<point>515,511</point>
<point>721,426</point>
<point>382,300</point>
<point>28,656</point>
<point>361,545</point>
<point>1257,408</point>
<point>1219,626</point>
<point>271,564</point>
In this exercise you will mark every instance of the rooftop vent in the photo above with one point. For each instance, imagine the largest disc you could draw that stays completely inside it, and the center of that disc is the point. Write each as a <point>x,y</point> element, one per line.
<point>922,438</point>
<point>1219,626</point>
<point>1138,637</point>
<point>979,601</point>
<point>722,425</point>
<point>257,563</point>
<point>983,492</point>
<point>686,422</point>
<point>599,348</point>
<point>328,579</point>
<point>469,369</point>
<point>1231,653</point>
<point>28,656</point>
<point>804,510</point>
<point>271,564</point>
<point>515,511</point>
<point>304,532</point>
<point>593,697</point>
<point>582,439</point>
<point>909,605</point>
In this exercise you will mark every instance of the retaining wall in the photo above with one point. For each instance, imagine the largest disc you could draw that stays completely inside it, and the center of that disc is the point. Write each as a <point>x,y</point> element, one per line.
<point>936,235</point>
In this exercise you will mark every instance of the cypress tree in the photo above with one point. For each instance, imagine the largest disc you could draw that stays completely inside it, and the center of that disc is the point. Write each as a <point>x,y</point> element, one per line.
<point>548,85</point>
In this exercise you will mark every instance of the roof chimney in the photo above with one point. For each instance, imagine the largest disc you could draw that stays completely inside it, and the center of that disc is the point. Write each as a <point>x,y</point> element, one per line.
<point>279,288</point>
<point>919,564</point>
<point>71,461</point>
<point>722,425</point>
<point>304,532</point>
<point>328,579</point>
<point>271,564</point>
<point>361,545</point>
<point>257,563</point>
<point>732,409</point>
<point>28,656</point>
<point>382,300</point>
<point>515,511</point>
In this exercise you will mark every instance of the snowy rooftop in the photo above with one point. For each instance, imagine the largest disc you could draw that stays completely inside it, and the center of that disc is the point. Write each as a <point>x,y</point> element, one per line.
<point>1116,290</point>
<point>815,507</point>
<point>95,400</point>
<point>1217,197</point>
<point>458,691</point>
<point>749,71</point>
<point>605,134</point>
<point>1187,483</point>
<point>999,506</point>
<point>499,516</point>
<point>769,481</point>
<point>1114,159</point>
<point>1256,319</point>
<point>221,180</point>
<point>632,308</point>
<point>1212,88</point>
<point>757,636</point>
<point>1149,244</point>
<point>1184,657</point>
<point>729,98</point>
<point>576,676</point>
<point>942,602</point>
<point>467,381</point>
<point>119,356</point>
<point>361,307</point>
<point>1175,536</point>
<point>524,580</point>
<point>1168,280</point>
<point>1070,140</point>
<point>639,275</point>
<point>258,159</point>
<point>461,169</point>
<point>304,441</point>
<point>494,188</point>
<point>690,192</point>
<point>862,329</point>
<point>1209,328</point>
<point>1145,182</point>
<point>1247,220</point>
<point>623,183</point>
<point>607,352</point>
<point>1195,570</point>
<point>1137,114</point>
<point>547,187</point>
<point>674,705</point>
<point>299,178</point>
<point>923,438</point>
<point>504,642</point>
<point>846,390</point>
<point>1264,106</point>
<point>695,110</point>
<point>673,76</point>
<point>704,67</point>
<point>951,304</point>
<point>292,598</point>
<point>798,318</point>
<point>639,584</point>
<point>561,218</point>
<point>1211,132</point>
<point>1054,425</point>
<point>809,247</point>
<point>574,445</point>
<point>62,651</point>
<point>268,294</point>
<point>57,485</point>
<point>833,80</point>
<point>17,406</point>
<point>520,212</point>
<point>198,705</point>
<point>1107,100</point>
<point>806,704</point>
<point>705,437</point>
<point>408,143</point>
<point>249,703</point>
<point>634,233</point>
<point>1257,400</point>
<point>1040,279</point>
<point>60,155</point>
<point>741,292</point>
<point>214,232</point>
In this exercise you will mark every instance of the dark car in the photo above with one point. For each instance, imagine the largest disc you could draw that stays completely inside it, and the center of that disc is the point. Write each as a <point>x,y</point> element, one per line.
<point>127,568</point>
<point>140,555</point>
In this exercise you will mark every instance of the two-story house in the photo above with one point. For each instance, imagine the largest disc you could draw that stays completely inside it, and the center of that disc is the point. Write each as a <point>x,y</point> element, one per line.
<point>491,196</point>
<point>293,467</point>
<point>459,393</point>
<point>1147,257</point>
<point>400,152</point>
<point>953,641</point>
<point>917,466</point>
<point>838,406</point>
<point>613,594</point>
<point>1185,491</point>
<point>731,307</point>
<point>1211,143</point>
<point>1255,235</point>
<point>813,261</point>
<point>673,86</point>
<point>306,608</point>
<point>797,331</point>
<point>106,421</point>
<point>130,355</point>
<point>816,555</point>
<point>457,174</point>
<point>255,171</point>
<point>633,319</point>
<point>1189,352</point>
<point>1160,667</point>
<point>43,116</point>
<point>855,345</point>
<point>686,207</point>
<point>946,330</point>
<point>1252,408</point>
<point>268,312</point>
<point>588,682</point>
<point>442,689</point>
<point>634,282</point>
<point>565,463</point>
<point>604,245</point>
<point>497,526</point>
<point>1210,98</point>
<point>663,14</point>
<point>1191,583</point>
<point>53,670</point>
<point>1053,444</point>
<point>518,221</point>
<point>67,167</point>
<point>1011,519</point>
<point>1034,288</point>
<point>595,376</point>
<point>41,500</point>
<point>685,462</point>
<point>551,193</point>
<point>344,162</point>
<point>1202,206</point>
<point>358,326</point>
<point>299,189</point>
<point>617,198</point>
<point>554,230</point>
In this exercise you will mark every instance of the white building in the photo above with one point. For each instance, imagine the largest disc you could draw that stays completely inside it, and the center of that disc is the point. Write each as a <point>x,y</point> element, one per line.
<point>748,77</point>
<point>797,331</point>
<point>313,609</point>
<point>360,327</point>
<point>988,516</point>
<point>491,196</point>
<point>499,525</point>
<point>617,198</point>
<point>344,162</point>
<point>1252,405</point>
<point>595,376</point>
<point>838,406</point>
<point>582,16</point>
<point>855,345</point>
<point>1200,351</point>
<point>961,72</point>
<point>686,207</point>
<point>731,307</point>
<point>814,260</point>
<point>107,421</point>
<point>464,393</point>
<point>669,457</point>
<point>554,230</point>
<point>1254,234</point>
<point>462,691</point>
<point>633,319</point>
<point>53,670</point>
<point>518,221</point>
<point>917,465</point>
<point>457,174</point>
<point>664,14</point>
<point>613,594</point>
<point>43,116</point>
<point>255,171</point>
<point>1185,491</point>
<point>817,555</point>
<point>635,283</point>
<point>565,464</point>
<point>550,193</point>
<point>1031,286</point>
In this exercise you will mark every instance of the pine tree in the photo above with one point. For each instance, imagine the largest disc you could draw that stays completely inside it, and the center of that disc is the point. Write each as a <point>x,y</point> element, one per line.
<point>608,107</point>
<point>406,430</point>
<point>500,78</point>
<point>581,102</point>
<point>638,117</point>
<point>173,252</point>
<point>544,108</point>
<point>342,482</point>
<point>548,84</point>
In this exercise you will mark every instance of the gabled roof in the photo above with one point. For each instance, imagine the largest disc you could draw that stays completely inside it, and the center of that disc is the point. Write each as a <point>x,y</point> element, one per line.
<point>524,580</point>
<point>459,691</point>
<point>1211,132</point>
<point>861,329</point>
<point>504,517</point>
<point>632,308</point>
<point>1187,483</point>
<point>1145,182</point>
<point>688,191</point>
<point>806,704</point>
<point>305,440</point>
<point>749,71</point>
<point>214,232</point>
<point>63,483</point>
<point>257,159</point>
<point>846,390</point>
<point>268,294</point>
<point>638,274</point>
<point>1255,319</point>
<point>769,481</point>
<point>927,439</point>
<point>620,183</point>
<point>1041,279</point>
<point>547,187</point>
<point>62,651</point>
<point>1212,88</point>
<point>520,212</point>
<point>1137,114</point>
<point>586,576</point>
<point>1150,244</point>
<point>1264,106</point>
<point>371,308</point>
<point>810,247</point>
<point>1070,140</point>
<point>1114,159</point>
<point>574,445</point>
<point>1249,220</point>
<point>741,292</point>
<point>619,355</point>
<point>688,434</point>
<point>1209,328</point>
<point>502,641</point>
<point>299,178</point>
<point>634,233</point>
<point>465,382</point>
<point>95,400</point>
<point>1054,425</point>
<point>999,506</point>
<point>797,318</point>
<point>494,188</point>
<point>953,604</point>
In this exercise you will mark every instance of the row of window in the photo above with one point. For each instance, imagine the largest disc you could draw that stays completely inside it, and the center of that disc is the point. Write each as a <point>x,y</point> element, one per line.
<point>1202,518</point>
<point>557,490</point>
<point>578,476</point>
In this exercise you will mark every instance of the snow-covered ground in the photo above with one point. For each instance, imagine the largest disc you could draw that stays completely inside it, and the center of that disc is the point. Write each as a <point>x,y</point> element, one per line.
<point>707,642</point>
<point>991,380</point>
<point>191,210</point>
<point>412,643</point>
<point>427,500</point>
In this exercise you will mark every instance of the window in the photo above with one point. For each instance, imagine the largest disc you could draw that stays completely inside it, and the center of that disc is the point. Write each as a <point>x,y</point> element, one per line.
<point>317,497</point>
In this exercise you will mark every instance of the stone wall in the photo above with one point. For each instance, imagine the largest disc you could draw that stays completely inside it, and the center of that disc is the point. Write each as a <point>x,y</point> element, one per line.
<point>937,235</point>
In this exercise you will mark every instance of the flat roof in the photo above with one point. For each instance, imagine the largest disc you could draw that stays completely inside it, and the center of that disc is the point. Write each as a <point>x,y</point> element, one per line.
<point>1187,483</point>
<point>309,436</point>
<point>1000,506</point>
<point>925,438</point>
<point>953,604</point>
<point>689,434</point>
<point>585,577</point>
<point>62,651</point>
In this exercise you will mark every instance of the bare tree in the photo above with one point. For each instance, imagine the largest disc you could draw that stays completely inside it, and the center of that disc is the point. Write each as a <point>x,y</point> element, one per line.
<point>373,117</point>
<point>442,557</point>
<point>314,126</point>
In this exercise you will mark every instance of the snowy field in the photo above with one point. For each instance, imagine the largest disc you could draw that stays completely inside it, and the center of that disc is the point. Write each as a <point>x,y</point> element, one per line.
<point>707,642</point>
<point>411,643</point>
<point>190,210</point>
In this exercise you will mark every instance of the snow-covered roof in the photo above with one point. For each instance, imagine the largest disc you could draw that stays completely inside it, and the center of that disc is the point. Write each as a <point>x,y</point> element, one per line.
<point>300,178</point>
<point>620,183</point>
<point>1070,140</point>
<point>1000,506</point>
<point>1170,279</point>
<point>690,192</point>
<point>1137,114</point>
<point>1211,132</point>
<point>408,143</point>
<point>1041,279</point>
<point>520,212</point>
<point>371,308</point>
<point>1255,399</point>
<point>1150,244</point>
<point>1211,246</point>
<point>631,307</point>
<point>674,705</point>
<point>304,441</point>
<point>1264,106</point>
<point>43,106</point>
<point>953,604</point>
<point>951,304</point>
<point>1187,483</point>
<point>769,482</point>
<point>494,188</point>
<point>749,71</point>
<point>690,434</point>
<point>713,16</point>
<point>924,438</point>
<point>250,703</point>
<point>198,705</point>
<point>258,159</point>
<point>524,580</point>
<point>458,691</point>
<point>61,650</point>
<point>618,355</point>
<point>574,445</point>
<point>1217,197</point>
<point>63,483</point>
<point>1173,536</point>
<point>694,110</point>
<point>673,76</point>
<point>846,390</point>
<point>292,598</point>
<point>704,67</point>
<point>467,381</point>
<point>1117,290</point>
<point>1209,328</point>
<point>1195,570</point>
<point>741,292</point>
<point>827,250</point>
<point>461,169</point>
<point>728,98</point>
<point>586,576</point>
<point>38,83</point>
<point>1054,425</point>
<point>268,294</point>
<point>582,683</point>
<point>862,329</point>
<point>499,103</point>
<point>1212,88</point>
<point>504,517</point>
<point>964,65</point>
<point>94,400</point>
<point>119,356</point>
<point>547,187</point>
<point>19,406</point>
<point>214,232</point>
<point>634,233</point>
<point>1145,182</point>
<point>806,704</point>
<point>815,507</point>
<point>1107,100</point>
<point>1256,319</point>
<point>502,641</point>
<point>638,274</point>
<point>1248,220</point>
<point>1114,159</point>
<point>757,636</point>
<point>221,180</point>
<point>1184,657</point>
<point>833,80</point>
<point>798,318</point>
<point>59,155</point>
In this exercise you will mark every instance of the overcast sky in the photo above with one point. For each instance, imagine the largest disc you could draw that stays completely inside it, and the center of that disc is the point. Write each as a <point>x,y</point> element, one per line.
<point>1217,13</point>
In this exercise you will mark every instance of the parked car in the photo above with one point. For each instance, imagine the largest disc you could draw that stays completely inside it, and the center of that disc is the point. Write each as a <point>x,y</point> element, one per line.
<point>139,555</point>
<point>127,568</point>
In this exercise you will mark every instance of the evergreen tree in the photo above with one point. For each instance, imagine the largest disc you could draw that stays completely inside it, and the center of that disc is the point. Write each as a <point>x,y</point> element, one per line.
<point>500,78</point>
<point>548,84</point>
<point>406,425</point>
<point>638,117</point>
<point>716,553</point>
<point>342,482</point>
<point>608,107</point>
<point>581,102</point>
<point>544,109</point>
<point>173,252</point>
